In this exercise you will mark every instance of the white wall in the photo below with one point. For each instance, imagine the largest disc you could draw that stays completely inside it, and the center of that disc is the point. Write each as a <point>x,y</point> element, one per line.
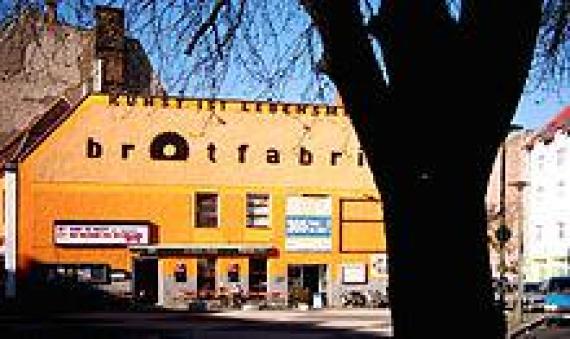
<point>549,207</point>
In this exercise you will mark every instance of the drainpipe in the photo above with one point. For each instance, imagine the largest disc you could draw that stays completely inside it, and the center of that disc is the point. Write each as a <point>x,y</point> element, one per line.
<point>10,227</point>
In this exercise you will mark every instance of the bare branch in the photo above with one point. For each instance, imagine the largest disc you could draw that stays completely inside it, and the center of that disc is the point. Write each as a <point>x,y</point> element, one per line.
<point>552,58</point>
<point>206,25</point>
<point>231,31</point>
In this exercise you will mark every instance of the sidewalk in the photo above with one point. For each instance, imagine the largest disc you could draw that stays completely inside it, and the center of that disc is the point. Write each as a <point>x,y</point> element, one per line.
<point>530,320</point>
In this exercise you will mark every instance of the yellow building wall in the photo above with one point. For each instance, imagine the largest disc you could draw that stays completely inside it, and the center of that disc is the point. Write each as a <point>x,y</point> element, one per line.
<point>170,210</point>
<point>59,182</point>
<point>62,157</point>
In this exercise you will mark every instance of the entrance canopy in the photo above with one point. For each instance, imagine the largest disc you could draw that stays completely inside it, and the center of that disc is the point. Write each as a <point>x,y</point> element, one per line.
<point>204,249</point>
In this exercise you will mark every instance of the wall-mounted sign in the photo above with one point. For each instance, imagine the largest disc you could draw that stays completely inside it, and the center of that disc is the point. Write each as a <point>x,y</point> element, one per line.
<point>354,274</point>
<point>173,146</point>
<point>308,224</point>
<point>99,234</point>
<point>198,250</point>
<point>379,265</point>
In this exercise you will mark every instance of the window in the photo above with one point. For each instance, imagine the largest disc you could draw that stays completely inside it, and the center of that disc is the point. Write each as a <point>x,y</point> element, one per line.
<point>538,232</point>
<point>180,274</point>
<point>541,161</point>
<point>99,273</point>
<point>82,273</point>
<point>206,210</point>
<point>257,210</point>
<point>539,193</point>
<point>561,230</point>
<point>233,273</point>
<point>560,157</point>
<point>561,187</point>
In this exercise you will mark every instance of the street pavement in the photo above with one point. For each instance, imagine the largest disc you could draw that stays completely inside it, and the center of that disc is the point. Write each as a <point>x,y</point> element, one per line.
<point>528,317</point>
<point>548,333</point>
<point>320,324</point>
<point>557,329</point>
<point>251,324</point>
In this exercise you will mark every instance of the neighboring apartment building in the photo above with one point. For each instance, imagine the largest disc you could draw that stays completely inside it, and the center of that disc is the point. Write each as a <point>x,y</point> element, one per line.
<point>547,236</point>
<point>515,171</point>
<point>193,197</point>
<point>43,59</point>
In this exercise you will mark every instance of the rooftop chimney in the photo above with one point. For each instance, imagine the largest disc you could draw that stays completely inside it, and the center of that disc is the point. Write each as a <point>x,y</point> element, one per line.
<point>51,13</point>
<point>110,47</point>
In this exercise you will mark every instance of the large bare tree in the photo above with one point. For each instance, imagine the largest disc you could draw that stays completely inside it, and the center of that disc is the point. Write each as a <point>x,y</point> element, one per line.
<point>431,87</point>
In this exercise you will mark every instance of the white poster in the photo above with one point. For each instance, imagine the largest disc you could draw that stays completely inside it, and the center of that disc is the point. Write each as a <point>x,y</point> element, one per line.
<point>308,224</point>
<point>354,273</point>
<point>81,234</point>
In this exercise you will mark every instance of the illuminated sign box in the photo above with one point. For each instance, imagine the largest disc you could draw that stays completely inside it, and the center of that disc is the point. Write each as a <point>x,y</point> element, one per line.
<point>101,234</point>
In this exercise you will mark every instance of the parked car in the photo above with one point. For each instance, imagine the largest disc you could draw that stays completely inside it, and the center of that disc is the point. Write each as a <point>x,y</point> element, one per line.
<point>532,297</point>
<point>557,295</point>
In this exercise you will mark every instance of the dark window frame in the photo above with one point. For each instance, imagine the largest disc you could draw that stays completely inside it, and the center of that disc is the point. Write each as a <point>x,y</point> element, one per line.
<point>199,213</point>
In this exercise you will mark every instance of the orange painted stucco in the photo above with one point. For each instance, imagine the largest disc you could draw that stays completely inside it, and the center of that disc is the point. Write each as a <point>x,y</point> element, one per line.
<point>57,181</point>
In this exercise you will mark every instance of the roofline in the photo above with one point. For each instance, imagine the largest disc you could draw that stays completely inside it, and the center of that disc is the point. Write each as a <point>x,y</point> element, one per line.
<point>22,154</point>
<point>51,128</point>
<point>225,99</point>
<point>548,131</point>
<point>130,100</point>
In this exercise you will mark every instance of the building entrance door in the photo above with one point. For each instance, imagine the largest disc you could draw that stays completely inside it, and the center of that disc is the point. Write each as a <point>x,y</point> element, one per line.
<point>206,277</point>
<point>310,278</point>
<point>257,278</point>
<point>145,274</point>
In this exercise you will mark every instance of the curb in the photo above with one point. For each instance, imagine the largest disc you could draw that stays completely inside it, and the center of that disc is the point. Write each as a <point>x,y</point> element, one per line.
<point>525,328</point>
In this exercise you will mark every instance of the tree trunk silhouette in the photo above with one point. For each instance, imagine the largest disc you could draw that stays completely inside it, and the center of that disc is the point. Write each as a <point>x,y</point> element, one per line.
<point>430,124</point>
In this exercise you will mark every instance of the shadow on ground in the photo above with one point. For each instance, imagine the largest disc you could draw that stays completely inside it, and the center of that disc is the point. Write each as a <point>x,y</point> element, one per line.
<point>140,325</point>
<point>67,309</point>
<point>62,296</point>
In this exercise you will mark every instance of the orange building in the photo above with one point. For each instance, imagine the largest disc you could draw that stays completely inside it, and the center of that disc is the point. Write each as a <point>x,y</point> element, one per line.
<point>171,199</point>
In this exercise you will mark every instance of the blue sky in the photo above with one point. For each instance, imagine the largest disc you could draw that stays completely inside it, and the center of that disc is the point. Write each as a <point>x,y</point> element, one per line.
<point>537,108</point>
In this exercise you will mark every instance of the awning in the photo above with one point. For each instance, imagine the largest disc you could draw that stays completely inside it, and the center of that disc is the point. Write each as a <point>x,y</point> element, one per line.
<point>204,249</point>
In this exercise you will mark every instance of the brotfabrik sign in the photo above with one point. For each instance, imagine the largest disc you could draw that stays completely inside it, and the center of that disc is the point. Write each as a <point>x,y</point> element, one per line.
<point>171,146</point>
